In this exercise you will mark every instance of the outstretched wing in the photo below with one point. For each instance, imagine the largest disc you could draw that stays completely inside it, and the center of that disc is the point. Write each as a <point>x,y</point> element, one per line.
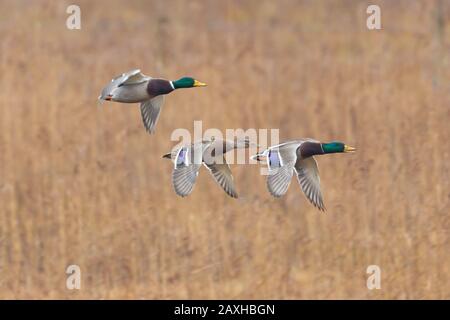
<point>185,172</point>
<point>130,77</point>
<point>280,161</point>
<point>308,177</point>
<point>221,173</point>
<point>133,77</point>
<point>150,111</point>
<point>279,179</point>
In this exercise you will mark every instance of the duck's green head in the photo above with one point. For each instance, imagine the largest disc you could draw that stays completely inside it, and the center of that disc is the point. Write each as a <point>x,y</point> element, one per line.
<point>336,146</point>
<point>187,82</point>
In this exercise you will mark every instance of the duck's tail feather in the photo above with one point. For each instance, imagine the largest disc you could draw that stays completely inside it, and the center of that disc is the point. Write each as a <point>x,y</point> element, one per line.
<point>258,157</point>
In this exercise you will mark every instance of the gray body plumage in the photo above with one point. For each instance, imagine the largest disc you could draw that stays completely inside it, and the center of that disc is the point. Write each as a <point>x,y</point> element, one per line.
<point>135,87</point>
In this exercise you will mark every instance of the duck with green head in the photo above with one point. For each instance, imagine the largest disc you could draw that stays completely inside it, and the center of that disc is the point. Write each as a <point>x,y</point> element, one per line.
<point>135,87</point>
<point>298,156</point>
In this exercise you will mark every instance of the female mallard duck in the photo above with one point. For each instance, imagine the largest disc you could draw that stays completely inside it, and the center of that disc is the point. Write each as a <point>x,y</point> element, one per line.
<point>298,155</point>
<point>188,159</point>
<point>133,87</point>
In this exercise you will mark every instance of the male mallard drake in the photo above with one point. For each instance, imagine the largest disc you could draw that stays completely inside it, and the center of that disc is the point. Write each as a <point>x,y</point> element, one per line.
<point>133,87</point>
<point>298,155</point>
<point>188,159</point>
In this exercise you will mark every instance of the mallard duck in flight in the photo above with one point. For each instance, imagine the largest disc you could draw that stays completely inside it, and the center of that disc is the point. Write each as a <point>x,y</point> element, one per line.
<point>188,159</point>
<point>133,87</point>
<point>298,155</point>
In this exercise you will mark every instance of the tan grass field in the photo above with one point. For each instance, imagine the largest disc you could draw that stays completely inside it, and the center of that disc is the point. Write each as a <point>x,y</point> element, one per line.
<point>86,185</point>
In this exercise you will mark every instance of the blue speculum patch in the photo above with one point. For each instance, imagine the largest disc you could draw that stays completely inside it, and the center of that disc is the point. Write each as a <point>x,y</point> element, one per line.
<point>274,159</point>
<point>181,159</point>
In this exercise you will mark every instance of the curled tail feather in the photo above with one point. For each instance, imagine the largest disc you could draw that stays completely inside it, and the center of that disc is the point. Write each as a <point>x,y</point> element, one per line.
<point>258,157</point>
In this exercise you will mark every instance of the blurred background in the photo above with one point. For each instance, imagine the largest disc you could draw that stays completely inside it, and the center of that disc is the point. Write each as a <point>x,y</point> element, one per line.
<point>86,185</point>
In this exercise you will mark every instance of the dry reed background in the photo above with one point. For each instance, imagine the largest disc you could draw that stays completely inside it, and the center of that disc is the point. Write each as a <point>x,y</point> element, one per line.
<point>82,184</point>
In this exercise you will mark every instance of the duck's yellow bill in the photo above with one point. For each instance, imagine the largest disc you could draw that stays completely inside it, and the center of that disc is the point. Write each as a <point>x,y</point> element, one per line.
<point>199,84</point>
<point>349,149</point>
